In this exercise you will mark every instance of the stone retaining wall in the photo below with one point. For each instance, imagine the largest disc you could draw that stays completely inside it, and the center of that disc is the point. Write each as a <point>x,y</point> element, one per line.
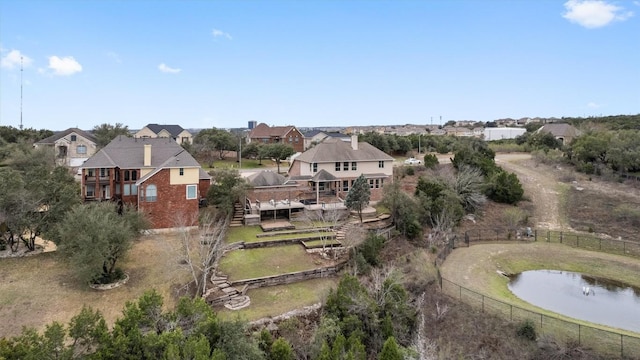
<point>289,278</point>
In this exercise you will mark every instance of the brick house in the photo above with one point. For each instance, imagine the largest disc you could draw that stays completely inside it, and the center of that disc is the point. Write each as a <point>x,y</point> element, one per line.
<point>266,134</point>
<point>175,132</point>
<point>155,175</point>
<point>72,147</point>
<point>331,167</point>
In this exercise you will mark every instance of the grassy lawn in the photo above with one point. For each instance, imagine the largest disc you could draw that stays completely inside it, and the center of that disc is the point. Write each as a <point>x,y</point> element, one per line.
<point>39,289</point>
<point>248,234</point>
<point>475,268</point>
<point>252,263</point>
<point>246,164</point>
<point>276,300</point>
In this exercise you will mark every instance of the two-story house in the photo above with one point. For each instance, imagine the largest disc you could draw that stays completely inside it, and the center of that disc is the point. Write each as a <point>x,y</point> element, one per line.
<point>175,132</point>
<point>72,147</point>
<point>266,134</point>
<point>155,175</point>
<point>332,166</point>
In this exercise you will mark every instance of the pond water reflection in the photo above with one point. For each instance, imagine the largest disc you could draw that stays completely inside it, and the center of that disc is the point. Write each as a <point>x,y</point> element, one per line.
<point>607,302</point>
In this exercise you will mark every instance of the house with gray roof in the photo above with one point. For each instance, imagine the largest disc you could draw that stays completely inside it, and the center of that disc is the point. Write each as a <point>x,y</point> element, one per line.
<point>154,175</point>
<point>72,147</point>
<point>175,132</point>
<point>331,167</point>
<point>563,132</point>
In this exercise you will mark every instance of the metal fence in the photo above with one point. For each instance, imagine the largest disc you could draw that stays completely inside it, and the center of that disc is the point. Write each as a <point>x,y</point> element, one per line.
<point>606,342</point>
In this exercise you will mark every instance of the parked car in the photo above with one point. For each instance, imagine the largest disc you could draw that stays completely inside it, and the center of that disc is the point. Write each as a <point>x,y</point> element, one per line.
<point>412,161</point>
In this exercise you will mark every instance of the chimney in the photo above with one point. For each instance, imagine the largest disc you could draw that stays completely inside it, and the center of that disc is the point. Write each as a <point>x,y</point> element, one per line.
<point>354,142</point>
<point>147,155</point>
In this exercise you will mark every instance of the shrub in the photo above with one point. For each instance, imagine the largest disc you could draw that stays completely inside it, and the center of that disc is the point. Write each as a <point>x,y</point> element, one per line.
<point>430,161</point>
<point>505,187</point>
<point>527,330</point>
<point>409,171</point>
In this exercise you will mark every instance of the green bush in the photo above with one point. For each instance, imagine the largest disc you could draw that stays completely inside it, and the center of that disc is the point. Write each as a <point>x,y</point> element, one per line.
<point>504,187</point>
<point>409,171</point>
<point>527,330</point>
<point>430,161</point>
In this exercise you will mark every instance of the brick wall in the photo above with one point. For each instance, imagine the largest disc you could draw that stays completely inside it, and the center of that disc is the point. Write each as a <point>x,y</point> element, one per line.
<point>171,209</point>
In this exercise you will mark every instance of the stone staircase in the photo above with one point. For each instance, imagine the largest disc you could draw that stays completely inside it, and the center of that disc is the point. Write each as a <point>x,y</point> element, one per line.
<point>238,215</point>
<point>222,293</point>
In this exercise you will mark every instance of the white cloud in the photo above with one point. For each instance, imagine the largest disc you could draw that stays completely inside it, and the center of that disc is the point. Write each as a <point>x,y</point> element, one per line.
<point>219,33</point>
<point>115,57</point>
<point>165,69</point>
<point>593,105</point>
<point>594,13</point>
<point>64,66</point>
<point>12,60</point>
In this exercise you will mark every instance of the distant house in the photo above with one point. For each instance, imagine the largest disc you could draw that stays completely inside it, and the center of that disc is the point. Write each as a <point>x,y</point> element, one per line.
<point>561,131</point>
<point>266,134</point>
<point>317,136</point>
<point>72,147</point>
<point>331,167</point>
<point>175,132</point>
<point>155,175</point>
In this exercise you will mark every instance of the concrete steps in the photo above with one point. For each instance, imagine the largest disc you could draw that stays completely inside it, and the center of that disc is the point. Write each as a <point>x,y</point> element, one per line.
<point>238,215</point>
<point>222,293</point>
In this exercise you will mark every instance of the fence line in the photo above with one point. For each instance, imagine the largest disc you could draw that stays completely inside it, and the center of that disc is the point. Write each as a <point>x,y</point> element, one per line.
<point>608,342</point>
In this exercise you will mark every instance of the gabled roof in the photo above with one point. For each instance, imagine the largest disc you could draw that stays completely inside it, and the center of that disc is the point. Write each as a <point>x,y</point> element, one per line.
<point>322,176</point>
<point>174,130</point>
<point>332,150</point>
<point>59,135</point>
<point>128,153</point>
<point>265,131</point>
<point>560,130</point>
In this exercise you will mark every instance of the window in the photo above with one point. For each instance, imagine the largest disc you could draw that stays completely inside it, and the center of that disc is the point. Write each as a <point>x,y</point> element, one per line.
<point>181,171</point>
<point>90,172</point>
<point>296,138</point>
<point>377,183</point>
<point>337,165</point>
<point>104,172</point>
<point>126,175</point>
<point>192,191</point>
<point>371,183</point>
<point>354,166</point>
<point>73,137</point>
<point>151,193</point>
<point>134,175</point>
<point>345,185</point>
<point>81,149</point>
<point>130,189</point>
<point>314,166</point>
<point>345,166</point>
<point>290,139</point>
<point>185,139</point>
<point>91,191</point>
<point>381,164</point>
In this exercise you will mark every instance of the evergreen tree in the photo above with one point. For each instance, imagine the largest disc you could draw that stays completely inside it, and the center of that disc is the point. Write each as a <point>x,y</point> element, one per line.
<point>358,196</point>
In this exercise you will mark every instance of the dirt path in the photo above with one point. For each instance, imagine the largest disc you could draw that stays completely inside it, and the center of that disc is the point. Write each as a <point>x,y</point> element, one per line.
<point>540,186</point>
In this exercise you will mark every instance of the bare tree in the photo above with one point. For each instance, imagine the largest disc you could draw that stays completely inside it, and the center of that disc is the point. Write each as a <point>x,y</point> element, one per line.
<point>199,251</point>
<point>326,222</point>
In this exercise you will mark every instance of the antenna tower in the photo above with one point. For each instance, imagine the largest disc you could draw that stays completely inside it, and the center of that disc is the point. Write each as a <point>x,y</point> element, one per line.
<point>20,92</point>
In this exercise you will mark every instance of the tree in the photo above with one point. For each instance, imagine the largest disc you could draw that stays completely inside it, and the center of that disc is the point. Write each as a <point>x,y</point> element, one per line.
<point>281,350</point>
<point>94,237</point>
<point>214,141</point>
<point>358,196</point>
<point>430,161</point>
<point>504,187</point>
<point>227,188</point>
<point>200,253</point>
<point>404,210</point>
<point>391,350</point>
<point>277,151</point>
<point>104,133</point>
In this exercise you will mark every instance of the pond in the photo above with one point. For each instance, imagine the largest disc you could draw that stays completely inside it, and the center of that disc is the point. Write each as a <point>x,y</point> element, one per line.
<point>597,300</point>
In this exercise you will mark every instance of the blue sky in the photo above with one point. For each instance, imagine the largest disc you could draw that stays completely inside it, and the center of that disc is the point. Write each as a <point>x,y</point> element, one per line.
<point>203,64</point>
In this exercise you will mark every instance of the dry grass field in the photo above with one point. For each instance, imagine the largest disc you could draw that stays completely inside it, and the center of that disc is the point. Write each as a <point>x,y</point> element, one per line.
<point>39,289</point>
